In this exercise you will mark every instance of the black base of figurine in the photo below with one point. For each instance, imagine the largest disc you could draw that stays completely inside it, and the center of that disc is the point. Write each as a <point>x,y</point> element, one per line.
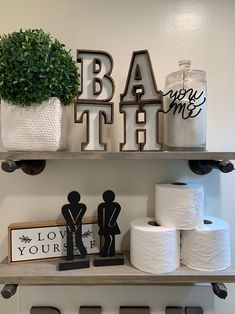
<point>75,263</point>
<point>118,259</point>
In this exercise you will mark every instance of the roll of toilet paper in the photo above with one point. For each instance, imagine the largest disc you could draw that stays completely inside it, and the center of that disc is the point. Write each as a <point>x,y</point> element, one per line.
<point>208,247</point>
<point>179,205</point>
<point>154,249</point>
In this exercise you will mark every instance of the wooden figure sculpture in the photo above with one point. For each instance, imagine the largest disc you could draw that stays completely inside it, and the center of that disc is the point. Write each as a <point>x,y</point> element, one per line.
<point>73,214</point>
<point>108,212</point>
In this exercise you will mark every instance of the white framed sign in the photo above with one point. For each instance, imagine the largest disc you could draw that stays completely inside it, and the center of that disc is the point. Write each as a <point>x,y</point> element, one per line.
<point>47,239</point>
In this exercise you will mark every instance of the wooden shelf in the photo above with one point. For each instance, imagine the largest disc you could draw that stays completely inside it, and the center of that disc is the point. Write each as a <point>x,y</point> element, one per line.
<point>45,273</point>
<point>187,155</point>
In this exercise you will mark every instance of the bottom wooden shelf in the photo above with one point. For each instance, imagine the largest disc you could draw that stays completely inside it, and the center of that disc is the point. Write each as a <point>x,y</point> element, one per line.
<point>46,273</point>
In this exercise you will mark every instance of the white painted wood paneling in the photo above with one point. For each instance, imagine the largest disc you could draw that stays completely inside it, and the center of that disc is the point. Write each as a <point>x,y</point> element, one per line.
<point>68,299</point>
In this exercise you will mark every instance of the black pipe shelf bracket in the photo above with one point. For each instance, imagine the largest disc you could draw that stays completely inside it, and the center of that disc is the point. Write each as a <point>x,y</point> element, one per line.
<point>30,167</point>
<point>220,290</point>
<point>9,290</point>
<point>202,167</point>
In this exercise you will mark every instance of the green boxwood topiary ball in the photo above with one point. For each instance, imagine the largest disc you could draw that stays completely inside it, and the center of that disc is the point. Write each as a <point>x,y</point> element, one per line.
<point>35,67</point>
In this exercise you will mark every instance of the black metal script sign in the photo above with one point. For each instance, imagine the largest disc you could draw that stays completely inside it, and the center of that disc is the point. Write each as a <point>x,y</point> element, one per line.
<point>185,102</point>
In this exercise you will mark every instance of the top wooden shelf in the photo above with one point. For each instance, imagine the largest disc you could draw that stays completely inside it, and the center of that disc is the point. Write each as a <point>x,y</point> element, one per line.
<point>92,155</point>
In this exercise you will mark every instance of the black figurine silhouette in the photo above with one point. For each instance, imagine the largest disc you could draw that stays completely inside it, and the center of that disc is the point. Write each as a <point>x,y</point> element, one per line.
<point>73,214</point>
<point>107,215</point>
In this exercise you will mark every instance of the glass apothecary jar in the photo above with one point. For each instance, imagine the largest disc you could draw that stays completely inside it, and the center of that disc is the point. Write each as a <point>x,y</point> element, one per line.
<point>185,109</point>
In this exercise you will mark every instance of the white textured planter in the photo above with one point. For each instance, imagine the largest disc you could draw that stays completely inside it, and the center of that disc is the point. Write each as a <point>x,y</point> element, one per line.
<point>36,128</point>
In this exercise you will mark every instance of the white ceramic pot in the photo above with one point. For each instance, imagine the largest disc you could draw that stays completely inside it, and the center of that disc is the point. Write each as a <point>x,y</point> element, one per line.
<point>36,128</point>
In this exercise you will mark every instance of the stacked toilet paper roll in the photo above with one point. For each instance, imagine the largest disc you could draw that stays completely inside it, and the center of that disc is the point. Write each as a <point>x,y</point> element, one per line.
<point>205,241</point>
<point>207,247</point>
<point>154,249</point>
<point>179,205</point>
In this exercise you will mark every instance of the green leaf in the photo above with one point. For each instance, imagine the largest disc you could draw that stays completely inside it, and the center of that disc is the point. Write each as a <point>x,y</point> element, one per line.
<point>34,67</point>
